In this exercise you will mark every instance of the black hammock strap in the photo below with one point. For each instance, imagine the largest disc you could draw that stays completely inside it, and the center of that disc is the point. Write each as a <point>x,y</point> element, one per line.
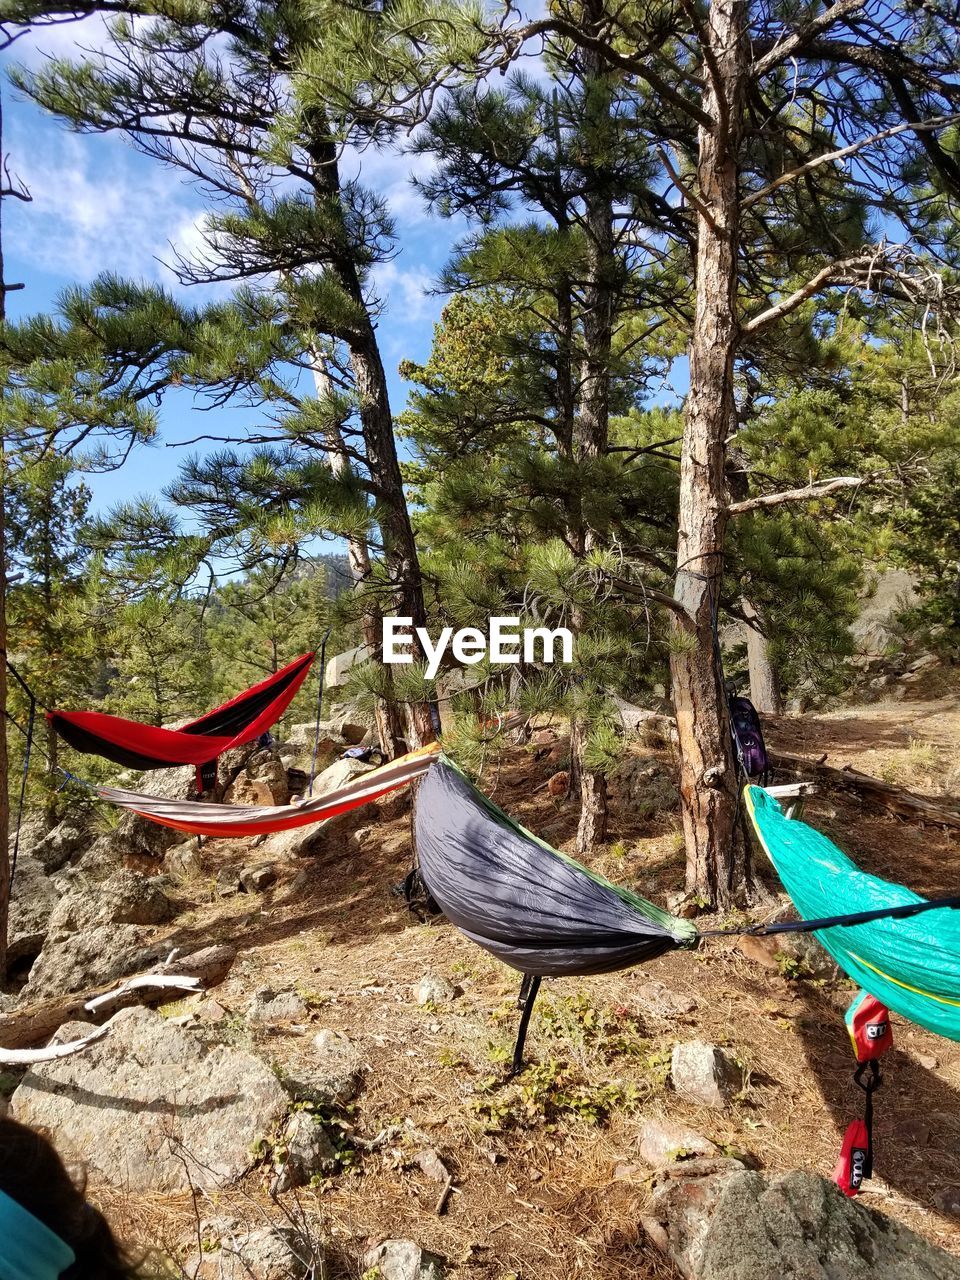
<point>902,912</point>
<point>316,736</point>
<point>28,734</point>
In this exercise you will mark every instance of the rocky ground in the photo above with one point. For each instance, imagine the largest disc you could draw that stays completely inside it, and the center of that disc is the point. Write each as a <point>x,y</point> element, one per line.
<point>338,1106</point>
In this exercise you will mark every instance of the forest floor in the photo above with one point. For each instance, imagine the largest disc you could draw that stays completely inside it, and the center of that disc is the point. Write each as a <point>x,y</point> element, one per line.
<point>548,1182</point>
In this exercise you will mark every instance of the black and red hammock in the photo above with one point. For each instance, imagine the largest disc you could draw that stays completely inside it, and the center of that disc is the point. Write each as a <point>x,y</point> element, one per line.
<point>144,746</point>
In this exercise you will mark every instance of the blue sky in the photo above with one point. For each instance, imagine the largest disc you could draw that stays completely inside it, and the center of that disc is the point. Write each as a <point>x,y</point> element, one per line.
<point>99,206</point>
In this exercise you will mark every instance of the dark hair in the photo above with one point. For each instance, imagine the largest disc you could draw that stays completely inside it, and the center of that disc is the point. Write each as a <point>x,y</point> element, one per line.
<point>32,1173</point>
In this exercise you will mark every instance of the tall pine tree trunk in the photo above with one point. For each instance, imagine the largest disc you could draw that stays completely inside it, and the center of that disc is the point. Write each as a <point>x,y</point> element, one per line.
<point>4,762</point>
<point>376,421</point>
<point>592,421</point>
<point>390,730</point>
<point>716,854</point>
<point>765,693</point>
<point>400,548</point>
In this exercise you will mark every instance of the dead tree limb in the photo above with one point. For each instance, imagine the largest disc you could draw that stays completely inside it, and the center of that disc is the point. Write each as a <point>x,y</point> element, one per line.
<point>905,804</point>
<point>35,1023</point>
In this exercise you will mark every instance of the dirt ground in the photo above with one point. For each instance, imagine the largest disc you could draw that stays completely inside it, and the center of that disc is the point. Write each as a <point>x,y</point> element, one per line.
<point>548,1183</point>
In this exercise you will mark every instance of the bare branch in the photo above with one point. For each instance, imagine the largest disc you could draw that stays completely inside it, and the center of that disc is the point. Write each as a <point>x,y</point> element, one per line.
<point>797,39</point>
<point>834,271</point>
<point>816,489</point>
<point>843,153</point>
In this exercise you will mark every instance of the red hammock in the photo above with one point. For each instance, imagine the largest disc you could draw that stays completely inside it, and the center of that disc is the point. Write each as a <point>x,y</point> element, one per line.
<point>143,746</point>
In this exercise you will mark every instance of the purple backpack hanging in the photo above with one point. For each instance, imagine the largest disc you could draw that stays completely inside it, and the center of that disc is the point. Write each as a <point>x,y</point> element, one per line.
<point>748,737</point>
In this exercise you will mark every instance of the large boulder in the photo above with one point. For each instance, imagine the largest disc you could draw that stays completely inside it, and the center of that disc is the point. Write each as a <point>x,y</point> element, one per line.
<point>32,902</point>
<point>91,957</point>
<point>124,898</point>
<point>741,1225</point>
<point>339,774</point>
<point>335,835</point>
<point>150,1108</point>
<point>262,781</point>
<point>68,838</point>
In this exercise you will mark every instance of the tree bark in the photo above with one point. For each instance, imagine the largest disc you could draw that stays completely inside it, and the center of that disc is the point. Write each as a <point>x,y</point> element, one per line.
<point>592,421</point>
<point>376,422</point>
<point>765,692</point>
<point>717,855</point>
<point>4,763</point>
<point>390,729</point>
<point>400,548</point>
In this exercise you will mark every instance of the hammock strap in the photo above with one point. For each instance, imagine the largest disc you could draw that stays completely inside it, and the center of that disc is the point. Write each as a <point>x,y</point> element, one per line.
<point>69,777</point>
<point>528,994</point>
<point>869,1087</point>
<point>316,737</point>
<point>28,734</point>
<point>902,912</point>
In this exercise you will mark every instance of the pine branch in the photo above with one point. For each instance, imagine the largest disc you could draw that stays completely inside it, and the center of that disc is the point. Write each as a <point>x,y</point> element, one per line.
<point>640,591</point>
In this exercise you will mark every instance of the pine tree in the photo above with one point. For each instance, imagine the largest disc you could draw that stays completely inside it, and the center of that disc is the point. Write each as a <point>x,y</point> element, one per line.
<point>264,131</point>
<point>46,506</point>
<point>766,178</point>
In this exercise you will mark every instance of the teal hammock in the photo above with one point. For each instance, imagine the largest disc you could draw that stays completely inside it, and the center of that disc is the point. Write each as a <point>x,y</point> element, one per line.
<point>911,965</point>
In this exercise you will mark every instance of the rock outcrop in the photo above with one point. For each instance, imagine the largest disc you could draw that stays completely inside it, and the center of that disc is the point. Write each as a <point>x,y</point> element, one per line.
<point>150,1108</point>
<point>741,1225</point>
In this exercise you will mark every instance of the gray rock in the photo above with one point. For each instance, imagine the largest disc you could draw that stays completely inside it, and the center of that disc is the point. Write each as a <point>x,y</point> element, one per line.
<point>704,1074</point>
<point>227,882</point>
<point>258,877</point>
<point>234,1251</point>
<point>402,1260</point>
<point>268,1007</point>
<point>341,664</point>
<point>32,902</point>
<point>55,849</point>
<point>334,837</point>
<point>431,1164</point>
<point>149,1108</point>
<point>335,1075</point>
<point>947,1200</point>
<point>185,860</point>
<point>307,1150</point>
<point>263,781</point>
<point>433,988</point>
<point>339,774</point>
<point>814,960</point>
<point>125,898</point>
<point>662,1142</point>
<point>33,828</point>
<point>656,998</point>
<point>91,957</point>
<point>740,1225</point>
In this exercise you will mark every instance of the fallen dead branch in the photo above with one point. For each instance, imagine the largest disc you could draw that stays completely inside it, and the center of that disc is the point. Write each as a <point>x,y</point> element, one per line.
<point>905,804</point>
<point>35,1023</point>
<point>27,1057</point>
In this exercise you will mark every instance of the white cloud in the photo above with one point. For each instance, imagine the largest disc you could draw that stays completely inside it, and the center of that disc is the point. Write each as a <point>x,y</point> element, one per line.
<point>405,293</point>
<point>96,206</point>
